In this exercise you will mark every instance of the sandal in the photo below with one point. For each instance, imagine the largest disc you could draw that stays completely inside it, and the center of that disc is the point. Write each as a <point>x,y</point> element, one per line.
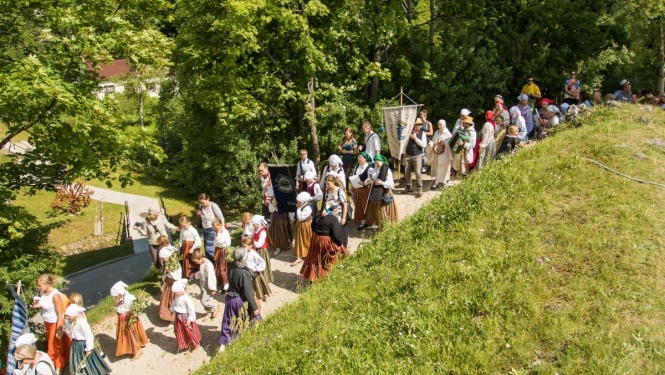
<point>138,355</point>
<point>296,262</point>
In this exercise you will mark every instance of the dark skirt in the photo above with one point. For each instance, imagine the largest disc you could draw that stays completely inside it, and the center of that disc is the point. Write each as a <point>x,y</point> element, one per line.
<point>94,364</point>
<point>209,242</point>
<point>360,195</point>
<point>166,300</point>
<point>323,253</point>
<point>186,337</point>
<point>261,286</point>
<point>280,233</point>
<point>221,268</point>
<point>232,307</point>
<point>267,273</point>
<point>188,267</point>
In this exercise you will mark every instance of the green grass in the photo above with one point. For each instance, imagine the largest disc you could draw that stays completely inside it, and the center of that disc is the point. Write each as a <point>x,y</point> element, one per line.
<point>542,263</point>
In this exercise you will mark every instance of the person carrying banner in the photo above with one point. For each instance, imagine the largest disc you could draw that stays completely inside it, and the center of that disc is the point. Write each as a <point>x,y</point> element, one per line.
<point>265,184</point>
<point>372,141</point>
<point>381,206</point>
<point>361,192</point>
<point>415,148</point>
<point>304,165</point>
<point>280,233</point>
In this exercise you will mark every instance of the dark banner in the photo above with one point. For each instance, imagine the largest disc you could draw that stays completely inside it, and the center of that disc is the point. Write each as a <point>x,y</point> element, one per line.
<point>285,189</point>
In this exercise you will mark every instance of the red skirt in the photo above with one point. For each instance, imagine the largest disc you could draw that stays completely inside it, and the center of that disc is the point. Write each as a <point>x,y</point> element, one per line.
<point>186,337</point>
<point>361,196</point>
<point>323,253</point>
<point>221,268</point>
<point>130,337</point>
<point>58,348</point>
<point>188,268</point>
<point>166,300</point>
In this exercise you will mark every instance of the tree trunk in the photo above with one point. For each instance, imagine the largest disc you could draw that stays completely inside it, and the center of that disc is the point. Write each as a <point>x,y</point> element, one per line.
<point>374,86</point>
<point>141,107</point>
<point>661,56</point>
<point>311,117</point>
<point>431,26</point>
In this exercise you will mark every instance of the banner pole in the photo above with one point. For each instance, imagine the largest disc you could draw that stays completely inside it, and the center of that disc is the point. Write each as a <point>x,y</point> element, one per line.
<point>401,96</point>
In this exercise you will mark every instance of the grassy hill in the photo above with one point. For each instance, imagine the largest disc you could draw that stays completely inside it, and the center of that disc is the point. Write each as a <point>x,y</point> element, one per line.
<point>542,263</point>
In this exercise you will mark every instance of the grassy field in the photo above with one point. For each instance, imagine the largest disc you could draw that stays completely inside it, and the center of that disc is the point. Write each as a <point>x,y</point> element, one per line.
<point>542,263</point>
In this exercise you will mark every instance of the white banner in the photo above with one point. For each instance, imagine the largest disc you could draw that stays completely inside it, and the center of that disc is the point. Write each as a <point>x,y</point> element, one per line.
<point>399,124</point>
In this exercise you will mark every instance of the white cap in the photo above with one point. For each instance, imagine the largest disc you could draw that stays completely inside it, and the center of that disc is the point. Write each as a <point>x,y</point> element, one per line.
<point>74,310</point>
<point>552,108</point>
<point>179,286</point>
<point>465,112</point>
<point>309,175</point>
<point>303,197</point>
<point>118,289</point>
<point>165,252</point>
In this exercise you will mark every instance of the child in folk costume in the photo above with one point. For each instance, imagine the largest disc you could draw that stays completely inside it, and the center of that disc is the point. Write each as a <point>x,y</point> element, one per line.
<point>33,361</point>
<point>260,239</point>
<point>464,147</point>
<point>361,194</point>
<point>334,167</point>
<point>314,190</point>
<point>189,240</point>
<point>280,232</point>
<point>326,247</point>
<point>187,332</point>
<point>169,277</point>
<point>442,155</point>
<point>240,291</point>
<point>222,241</point>
<point>247,227</point>
<point>131,337</point>
<point>303,226</point>
<point>381,207</point>
<point>257,266</point>
<point>208,284</point>
<point>83,358</point>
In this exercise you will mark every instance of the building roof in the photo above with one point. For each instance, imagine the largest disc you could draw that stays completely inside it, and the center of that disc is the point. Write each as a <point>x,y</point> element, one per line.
<point>115,69</point>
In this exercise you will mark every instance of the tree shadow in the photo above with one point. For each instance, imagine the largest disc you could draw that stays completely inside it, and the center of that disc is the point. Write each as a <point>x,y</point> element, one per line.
<point>287,280</point>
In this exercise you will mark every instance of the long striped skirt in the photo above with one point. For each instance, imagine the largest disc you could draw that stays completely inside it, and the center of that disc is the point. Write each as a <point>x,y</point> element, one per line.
<point>93,364</point>
<point>209,242</point>
<point>166,300</point>
<point>280,232</point>
<point>130,337</point>
<point>361,195</point>
<point>188,267</point>
<point>323,253</point>
<point>303,236</point>
<point>221,268</point>
<point>267,273</point>
<point>58,348</point>
<point>378,213</point>
<point>261,286</point>
<point>186,337</point>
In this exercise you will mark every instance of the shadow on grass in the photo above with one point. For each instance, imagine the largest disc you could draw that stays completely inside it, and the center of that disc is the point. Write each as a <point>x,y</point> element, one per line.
<point>77,262</point>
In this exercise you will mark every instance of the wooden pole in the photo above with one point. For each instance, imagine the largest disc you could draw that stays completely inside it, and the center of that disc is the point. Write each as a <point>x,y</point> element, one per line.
<point>401,96</point>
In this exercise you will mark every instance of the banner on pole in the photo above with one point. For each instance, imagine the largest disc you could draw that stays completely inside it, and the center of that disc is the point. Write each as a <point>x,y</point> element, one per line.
<point>284,188</point>
<point>19,327</point>
<point>399,124</point>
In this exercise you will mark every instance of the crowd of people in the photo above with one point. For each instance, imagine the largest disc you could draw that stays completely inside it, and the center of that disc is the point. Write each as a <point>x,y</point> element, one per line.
<point>356,185</point>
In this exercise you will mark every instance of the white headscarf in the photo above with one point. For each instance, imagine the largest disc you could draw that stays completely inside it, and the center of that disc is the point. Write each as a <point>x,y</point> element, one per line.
<point>179,286</point>
<point>165,252</point>
<point>259,220</point>
<point>465,112</point>
<point>523,97</point>
<point>334,160</point>
<point>118,289</point>
<point>74,310</point>
<point>552,108</point>
<point>442,121</point>
<point>309,175</point>
<point>26,339</point>
<point>515,111</point>
<point>303,197</point>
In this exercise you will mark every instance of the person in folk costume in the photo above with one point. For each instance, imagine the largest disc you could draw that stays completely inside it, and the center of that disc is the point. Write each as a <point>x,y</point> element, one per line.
<point>381,207</point>
<point>207,283</point>
<point>240,291</point>
<point>131,338</point>
<point>517,120</point>
<point>552,116</point>
<point>260,239</point>
<point>303,233</point>
<point>187,333</point>
<point>222,242</point>
<point>154,226</point>
<point>325,248</point>
<point>33,361</point>
<point>487,142</point>
<point>83,357</point>
<point>337,204</point>
<point>314,190</point>
<point>280,232</point>
<point>501,115</point>
<point>247,227</point>
<point>463,150</point>
<point>209,211</point>
<point>169,277</point>
<point>414,150</point>
<point>334,167</point>
<point>361,193</point>
<point>266,182</point>
<point>442,155</point>
<point>458,124</point>
<point>527,113</point>
<point>52,304</point>
<point>257,266</point>
<point>510,143</point>
<point>189,240</point>
<point>372,144</point>
<point>304,165</point>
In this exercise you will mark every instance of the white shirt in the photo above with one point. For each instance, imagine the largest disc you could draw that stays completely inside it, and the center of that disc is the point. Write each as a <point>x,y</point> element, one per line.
<point>318,193</point>
<point>208,214</point>
<point>49,314</point>
<point>248,230</point>
<point>255,262</point>
<point>126,305</point>
<point>307,166</point>
<point>207,275</point>
<point>521,126</point>
<point>486,134</point>
<point>183,304</point>
<point>223,238</point>
<point>471,144</point>
<point>327,170</point>
<point>372,144</point>
<point>190,234</point>
<point>374,173</point>
<point>554,121</point>
<point>81,331</point>
<point>175,274</point>
<point>304,212</point>
<point>360,169</point>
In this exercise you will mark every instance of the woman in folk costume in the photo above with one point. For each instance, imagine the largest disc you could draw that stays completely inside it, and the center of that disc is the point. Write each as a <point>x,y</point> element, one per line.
<point>334,167</point>
<point>441,155</point>
<point>169,277</point>
<point>487,142</point>
<point>189,240</point>
<point>247,227</point>
<point>240,291</point>
<point>337,204</point>
<point>381,207</point>
<point>260,239</point>
<point>257,266</point>
<point>463,154</point>
<point>187,334</point>
<point>131,337</point>
<point>209,211</point>
<point>303,226</point>
<point>517,120</point>
<point>501,115</point>
<point>52,304</point>
<point>222,242</point>
<point>361,194</point>
<point>314,190</point>
<point>325,248</point>
<point>280,232</point>
<point>84,358</point>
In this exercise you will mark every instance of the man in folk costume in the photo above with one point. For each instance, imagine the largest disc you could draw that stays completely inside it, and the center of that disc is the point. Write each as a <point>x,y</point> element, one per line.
<point>463,148</point>
<point>415,148</point>
<point>265,184</point>
<point>441,155</point>
<point>372,141</point>
<point>304,165</point>
<point>314,190</point>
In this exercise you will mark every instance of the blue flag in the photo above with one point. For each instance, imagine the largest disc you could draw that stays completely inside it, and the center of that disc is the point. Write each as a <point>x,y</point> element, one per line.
<point>19,327</point>
<point>284,188</point>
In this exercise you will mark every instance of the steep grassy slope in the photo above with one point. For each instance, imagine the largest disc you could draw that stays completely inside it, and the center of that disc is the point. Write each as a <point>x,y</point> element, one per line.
<point>541,263</point>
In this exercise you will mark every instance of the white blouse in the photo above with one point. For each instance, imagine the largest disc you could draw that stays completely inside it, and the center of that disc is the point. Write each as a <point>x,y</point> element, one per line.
<point>255,262</point>
<point>222,238</point>
<point>183,304</point>
<point>373,173</point>
<point>190,234</point>
<point>81,331</point>
<point>304,212</point>
<point>486,134</point>
<point>49,314</point>
<point>248,230</point>
<point>126,305</point>
<point>207,275</point>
